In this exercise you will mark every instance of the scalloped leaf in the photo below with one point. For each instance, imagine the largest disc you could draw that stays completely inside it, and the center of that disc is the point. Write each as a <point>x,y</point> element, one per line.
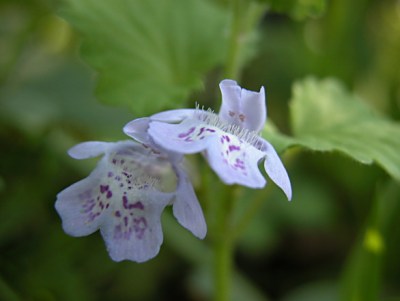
<point>325,117</point>
<point>149,54</point>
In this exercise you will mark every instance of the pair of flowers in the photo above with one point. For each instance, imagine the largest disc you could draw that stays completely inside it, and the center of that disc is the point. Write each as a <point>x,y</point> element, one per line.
<point>135,180</point>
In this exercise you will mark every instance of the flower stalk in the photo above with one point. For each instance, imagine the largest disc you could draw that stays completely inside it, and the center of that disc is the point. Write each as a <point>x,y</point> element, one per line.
<point>244,18</point>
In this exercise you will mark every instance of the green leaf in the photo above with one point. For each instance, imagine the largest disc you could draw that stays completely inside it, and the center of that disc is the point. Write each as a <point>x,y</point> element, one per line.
<point>298,9</point>
<point>149,54</point>
<point>325,117</point>
<point>280,141</point>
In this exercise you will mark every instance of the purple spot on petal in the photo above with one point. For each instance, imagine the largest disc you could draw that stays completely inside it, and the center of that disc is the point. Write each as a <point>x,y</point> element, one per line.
<point>103,188</point>
<point>110,174</point>
<point>201,131</point>
<point>109,194</point>
<point>125,202</point>
<point>92,216</point>
<point>225,138</point>
<point>117,213</point>
<point>88,209</point>
<point>118,232</point>
<point>234,148</point>
<point>137,205</point>
<point>139,226</point>
<point>190,131</point>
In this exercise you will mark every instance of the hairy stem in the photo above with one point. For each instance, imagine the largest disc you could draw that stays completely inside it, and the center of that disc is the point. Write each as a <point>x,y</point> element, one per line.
<point>223,248</point>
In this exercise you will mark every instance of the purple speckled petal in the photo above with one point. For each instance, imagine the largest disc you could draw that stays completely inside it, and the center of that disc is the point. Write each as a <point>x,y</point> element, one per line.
<point>173,116</point>
<point>82,206</point>
<point>133,230</point>
<point>137,129</point>
<point>231,93</point>
<point>242,107</point>
<point>235,161</point>
<point>275,169</point>
<point>89,149</point>
<point>186,207</point>
<point>190,136</point>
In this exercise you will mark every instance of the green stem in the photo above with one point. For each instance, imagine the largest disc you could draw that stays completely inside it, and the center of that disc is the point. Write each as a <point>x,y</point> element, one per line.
<point>223,247</point>
<point>223,269</point>
<point>251,210</point>
<point>245,17</point>
<point>232,63</point>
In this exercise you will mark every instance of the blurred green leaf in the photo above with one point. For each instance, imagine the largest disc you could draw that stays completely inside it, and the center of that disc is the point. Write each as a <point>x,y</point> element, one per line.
<point>298,9</point>
<point>326,117</point>
<point>242,287</point>
<point>6,292</point>
<point>324,290</point>
<point>149,53</point>
<point>280,141</point>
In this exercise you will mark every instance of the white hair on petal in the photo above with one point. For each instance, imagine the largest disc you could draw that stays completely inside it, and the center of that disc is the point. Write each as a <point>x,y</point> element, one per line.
<point>209,117</point>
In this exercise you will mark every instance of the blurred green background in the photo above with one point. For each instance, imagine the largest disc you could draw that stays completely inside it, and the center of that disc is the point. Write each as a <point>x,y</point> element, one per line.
<point>339,236</point>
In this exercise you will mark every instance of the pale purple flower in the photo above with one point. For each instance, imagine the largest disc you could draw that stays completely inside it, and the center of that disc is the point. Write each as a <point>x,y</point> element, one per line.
<point>125,195</point>
<point>230,140</point>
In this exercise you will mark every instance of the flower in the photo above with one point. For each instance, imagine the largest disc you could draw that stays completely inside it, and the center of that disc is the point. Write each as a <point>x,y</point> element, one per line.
<point>230,140</point>
<point>124,197</point>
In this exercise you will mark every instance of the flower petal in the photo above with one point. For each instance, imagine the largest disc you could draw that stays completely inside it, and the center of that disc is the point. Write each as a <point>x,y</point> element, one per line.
<point>242,107</point>
<point>89,149</point>
<point>275,169</point>
<point>190,136</point>
<point>137,129</point>
<point>173,116</point>
<point>82,206</point>
<point>235,161</point>
<point>186,207</point>
<point>133,231</point>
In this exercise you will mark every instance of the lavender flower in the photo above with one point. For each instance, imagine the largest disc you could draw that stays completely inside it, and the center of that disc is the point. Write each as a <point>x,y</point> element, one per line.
<point>230,140</point>
<point>124,197</point>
